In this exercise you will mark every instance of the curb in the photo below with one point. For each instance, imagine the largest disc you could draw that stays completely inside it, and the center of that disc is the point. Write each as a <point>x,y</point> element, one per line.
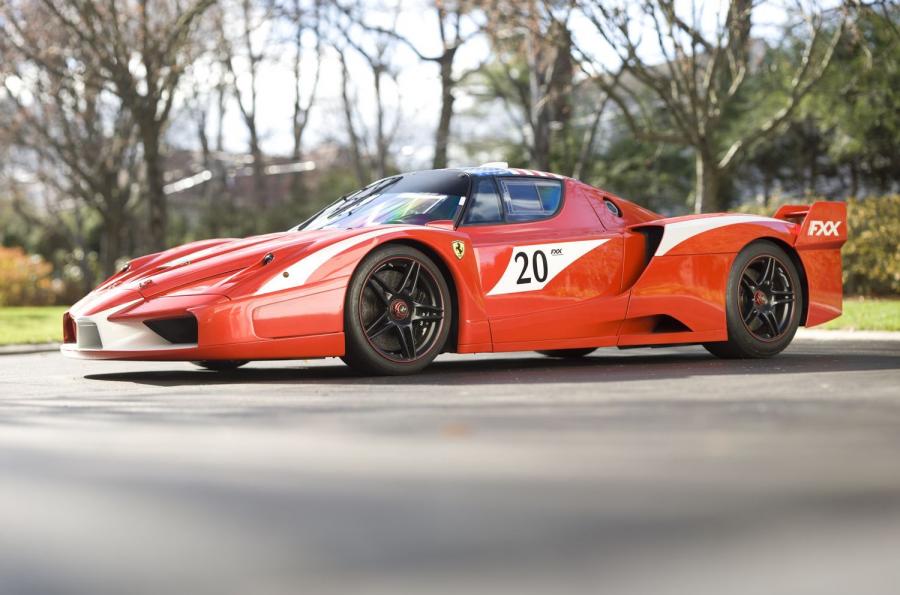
<point>23,349</point>
<point>844,335</point>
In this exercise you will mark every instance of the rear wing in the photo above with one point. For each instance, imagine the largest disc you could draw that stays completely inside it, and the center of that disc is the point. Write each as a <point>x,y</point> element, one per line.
<point>822,224</point>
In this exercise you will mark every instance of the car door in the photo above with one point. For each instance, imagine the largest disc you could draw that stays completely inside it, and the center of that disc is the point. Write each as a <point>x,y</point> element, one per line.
<point>550,270</point>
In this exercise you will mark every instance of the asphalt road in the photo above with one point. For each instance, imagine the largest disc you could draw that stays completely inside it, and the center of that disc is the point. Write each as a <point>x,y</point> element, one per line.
<point>641,471</point>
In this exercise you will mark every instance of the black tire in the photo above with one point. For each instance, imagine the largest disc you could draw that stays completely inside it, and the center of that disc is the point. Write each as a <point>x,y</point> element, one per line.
<point>221,365</point>
<point>568,353</point>
<point>764,302</point>
<point>398,312</point>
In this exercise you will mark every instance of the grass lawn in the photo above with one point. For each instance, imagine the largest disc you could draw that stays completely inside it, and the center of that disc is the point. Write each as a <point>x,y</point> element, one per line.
<point>868,314</point>
<point>31,325</point>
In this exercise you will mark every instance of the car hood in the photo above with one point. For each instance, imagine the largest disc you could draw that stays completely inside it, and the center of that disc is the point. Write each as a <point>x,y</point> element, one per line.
<point>213,266</point>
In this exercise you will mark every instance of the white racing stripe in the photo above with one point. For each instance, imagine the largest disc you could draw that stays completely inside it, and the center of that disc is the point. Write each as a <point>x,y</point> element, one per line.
<point>531,268</point>
<point>300,272</point>
<point>678,232</point>
<point>188,258</point>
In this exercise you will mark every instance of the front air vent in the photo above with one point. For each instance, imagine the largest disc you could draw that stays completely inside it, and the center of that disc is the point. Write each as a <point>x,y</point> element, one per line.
<point>88,335</point>
<point>179,331</point>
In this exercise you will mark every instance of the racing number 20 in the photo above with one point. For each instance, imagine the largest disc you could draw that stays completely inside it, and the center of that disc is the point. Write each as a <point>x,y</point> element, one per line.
<point>538,267</point>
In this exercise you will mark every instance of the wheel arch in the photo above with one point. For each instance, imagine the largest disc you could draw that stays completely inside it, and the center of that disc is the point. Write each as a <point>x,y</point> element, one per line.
<point>449,277</point>
<point>797,262</point>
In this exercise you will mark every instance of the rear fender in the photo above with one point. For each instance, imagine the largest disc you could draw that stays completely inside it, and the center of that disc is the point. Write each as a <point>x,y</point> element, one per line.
<point>822,230</point>
<point>656,244</point>
<point>721,234</point>
<point>687,259</point>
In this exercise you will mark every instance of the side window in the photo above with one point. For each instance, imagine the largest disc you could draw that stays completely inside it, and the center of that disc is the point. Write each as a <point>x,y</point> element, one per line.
<point>529,199</point>
<point>485,206</point>
<point>550,193</point>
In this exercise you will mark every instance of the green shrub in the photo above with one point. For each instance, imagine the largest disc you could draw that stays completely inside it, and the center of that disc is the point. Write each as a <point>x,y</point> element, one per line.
<point>24,279</point>
<point>872,252</point>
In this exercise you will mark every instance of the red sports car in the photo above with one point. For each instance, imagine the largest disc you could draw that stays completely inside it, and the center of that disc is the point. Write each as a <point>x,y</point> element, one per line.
<point>483,259</point>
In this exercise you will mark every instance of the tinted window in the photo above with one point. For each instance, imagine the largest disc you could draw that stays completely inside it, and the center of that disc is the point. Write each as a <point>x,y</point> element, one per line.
<point>550,193</point>
<point>485,206</point>
<point>527,200</point>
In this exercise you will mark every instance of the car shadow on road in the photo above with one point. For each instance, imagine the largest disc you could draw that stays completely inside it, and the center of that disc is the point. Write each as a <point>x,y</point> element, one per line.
<point>602,367</point>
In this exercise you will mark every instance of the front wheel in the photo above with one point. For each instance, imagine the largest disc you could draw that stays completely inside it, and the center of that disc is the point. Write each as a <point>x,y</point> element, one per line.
<point>398,312</point>
<point>764,301</point>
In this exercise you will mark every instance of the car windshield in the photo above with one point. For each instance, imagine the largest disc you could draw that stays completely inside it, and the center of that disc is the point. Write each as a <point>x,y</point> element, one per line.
<point>412,199</point>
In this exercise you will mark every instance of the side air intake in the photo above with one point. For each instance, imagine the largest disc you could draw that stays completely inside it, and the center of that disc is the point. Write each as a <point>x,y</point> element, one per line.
<point>669,324</point>
<point>652,237</point>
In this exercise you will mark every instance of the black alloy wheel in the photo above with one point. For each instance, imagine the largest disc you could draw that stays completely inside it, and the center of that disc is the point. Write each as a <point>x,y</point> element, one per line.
<point>398,312</point>
<point>766,297</point>
<point>763,304</point>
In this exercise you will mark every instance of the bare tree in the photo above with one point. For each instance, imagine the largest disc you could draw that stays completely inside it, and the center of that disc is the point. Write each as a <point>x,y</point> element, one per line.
<point>76,137</point>
<point>450,16</point>
<point>357,149</point>
<point>206,89</point>
<point>138,49</point>
<point>250,46</point>
<point>682,98</point>
<point>533,45</point>
<point>375,50</point>
<point>583,166</point>
<point>303,20</point>
<point>303,106</point>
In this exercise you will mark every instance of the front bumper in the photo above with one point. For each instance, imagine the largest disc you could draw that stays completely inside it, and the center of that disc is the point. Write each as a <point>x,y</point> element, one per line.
<point>302,323</point>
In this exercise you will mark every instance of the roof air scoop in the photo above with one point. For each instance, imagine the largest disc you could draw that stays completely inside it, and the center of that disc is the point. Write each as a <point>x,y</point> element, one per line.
<point>495,165</point>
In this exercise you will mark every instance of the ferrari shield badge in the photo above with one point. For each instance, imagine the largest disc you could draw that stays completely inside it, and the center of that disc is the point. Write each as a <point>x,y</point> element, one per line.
<point>459,248</point>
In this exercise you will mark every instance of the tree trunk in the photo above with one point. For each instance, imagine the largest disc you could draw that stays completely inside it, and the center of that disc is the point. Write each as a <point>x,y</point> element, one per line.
<point>259,179</point>
<point>380,137</point>
<point>355,148</point>
<point>221,104</point>
<point>156,196</point>
<point>298,182</point>
<point>706,183</point>
<point>582,167</point>
<point>442,137</point>
<point>88,282</point>
<point>112,241</point>
<point>542,141</point>
<point>298,186</point>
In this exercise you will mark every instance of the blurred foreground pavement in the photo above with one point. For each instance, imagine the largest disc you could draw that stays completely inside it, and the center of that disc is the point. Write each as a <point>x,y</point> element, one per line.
<point>643,471</point>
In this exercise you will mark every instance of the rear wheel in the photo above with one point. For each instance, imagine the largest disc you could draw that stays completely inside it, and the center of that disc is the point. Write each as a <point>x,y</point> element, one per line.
<point>567,353</point>
<point>224,365</point>
<point>398,312</point>
<point>764,301</point>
